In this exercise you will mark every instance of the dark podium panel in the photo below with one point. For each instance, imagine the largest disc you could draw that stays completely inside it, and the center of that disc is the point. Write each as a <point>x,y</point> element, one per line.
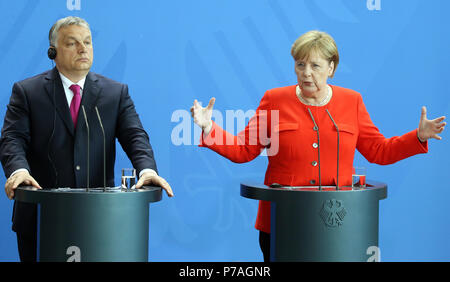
<point>327,225</point>
<point>94,225</point>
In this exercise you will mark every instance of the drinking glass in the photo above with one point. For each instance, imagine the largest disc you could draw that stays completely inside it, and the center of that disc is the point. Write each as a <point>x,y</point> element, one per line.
<point>359,177</point>
<point>128,178</point>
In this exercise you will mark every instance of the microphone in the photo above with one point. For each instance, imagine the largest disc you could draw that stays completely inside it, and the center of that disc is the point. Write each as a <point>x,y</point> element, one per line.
<point>316,128</point>
<point>87,126</point>
<point>276,185</point>
<point>104,146</point>
<point>52,134</point>
<point>337,129</point>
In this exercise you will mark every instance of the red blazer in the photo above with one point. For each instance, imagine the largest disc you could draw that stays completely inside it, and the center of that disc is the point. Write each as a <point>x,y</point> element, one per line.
<point>283,126</point>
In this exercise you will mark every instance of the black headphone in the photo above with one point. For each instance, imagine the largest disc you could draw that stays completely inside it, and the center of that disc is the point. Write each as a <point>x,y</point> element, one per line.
<point>51,52</point>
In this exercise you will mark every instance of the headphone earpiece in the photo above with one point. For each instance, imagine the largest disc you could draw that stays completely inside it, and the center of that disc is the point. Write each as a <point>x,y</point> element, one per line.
<point>51,52</point>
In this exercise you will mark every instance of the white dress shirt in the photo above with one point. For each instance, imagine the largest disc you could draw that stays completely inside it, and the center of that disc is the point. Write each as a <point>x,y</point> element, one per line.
<point>67,83</point>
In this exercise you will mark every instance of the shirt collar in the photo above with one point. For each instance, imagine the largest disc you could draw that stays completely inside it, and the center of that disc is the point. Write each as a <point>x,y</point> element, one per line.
<point>67,82</point>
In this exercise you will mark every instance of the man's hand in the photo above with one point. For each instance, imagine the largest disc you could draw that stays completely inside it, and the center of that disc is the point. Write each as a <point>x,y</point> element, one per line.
<point>21,177</point>
<point>430,128</point>
<point>151,178</point>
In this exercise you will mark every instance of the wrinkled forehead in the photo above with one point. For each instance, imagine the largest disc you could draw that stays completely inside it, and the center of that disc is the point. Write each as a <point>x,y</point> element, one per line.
<point>76,32</point>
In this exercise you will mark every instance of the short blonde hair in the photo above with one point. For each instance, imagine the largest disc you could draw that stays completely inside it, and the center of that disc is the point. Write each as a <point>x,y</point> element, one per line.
<point>316,41</point>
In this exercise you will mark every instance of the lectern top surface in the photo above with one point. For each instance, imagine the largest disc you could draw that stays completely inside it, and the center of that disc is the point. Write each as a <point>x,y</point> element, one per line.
<point>34,195</point>
<point>370,185</point>
<point>117,189</point>
<point>259,191</point>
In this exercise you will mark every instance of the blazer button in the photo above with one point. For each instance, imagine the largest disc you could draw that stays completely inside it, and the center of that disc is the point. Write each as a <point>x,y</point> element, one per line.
<point>315,145</point>
<point>77,167</point>
<point>314,163</point>
<point>312,181</point>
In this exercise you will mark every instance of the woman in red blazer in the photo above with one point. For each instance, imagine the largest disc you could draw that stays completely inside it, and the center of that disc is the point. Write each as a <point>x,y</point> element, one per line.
<point>288,119</point>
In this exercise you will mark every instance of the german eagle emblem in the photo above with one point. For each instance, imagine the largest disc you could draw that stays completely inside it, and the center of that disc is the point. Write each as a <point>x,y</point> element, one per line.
<point>333,213</point>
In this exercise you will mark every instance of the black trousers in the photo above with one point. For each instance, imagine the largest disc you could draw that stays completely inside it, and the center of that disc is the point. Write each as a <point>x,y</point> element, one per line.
<point>27,246</point>
<point>264,244</point>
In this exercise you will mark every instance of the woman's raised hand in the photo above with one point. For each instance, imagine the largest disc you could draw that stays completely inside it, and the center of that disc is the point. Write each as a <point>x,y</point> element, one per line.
<point>430,128</point>
<point>202,116</point>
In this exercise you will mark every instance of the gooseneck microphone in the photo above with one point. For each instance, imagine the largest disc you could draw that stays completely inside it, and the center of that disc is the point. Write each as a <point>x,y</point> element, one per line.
<point>104,146</point>
<point>337,130</point>
<point>87,126</point>
<point>50,139</point>
<point>316,128</point>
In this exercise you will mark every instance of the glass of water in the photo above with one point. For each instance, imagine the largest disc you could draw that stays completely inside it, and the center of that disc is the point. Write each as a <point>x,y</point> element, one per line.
<point>359,177</point>
<point>128,178</point>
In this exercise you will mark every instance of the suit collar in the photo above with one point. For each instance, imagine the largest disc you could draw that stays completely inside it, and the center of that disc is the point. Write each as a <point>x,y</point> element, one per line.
<point>55,91</point>
<point>91,91</point>
<point>54,74</point>
<point>67,82</point>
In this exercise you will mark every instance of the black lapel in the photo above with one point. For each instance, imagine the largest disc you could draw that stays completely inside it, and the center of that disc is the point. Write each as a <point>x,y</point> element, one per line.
<point>91,92</point>
<point>56,94</point>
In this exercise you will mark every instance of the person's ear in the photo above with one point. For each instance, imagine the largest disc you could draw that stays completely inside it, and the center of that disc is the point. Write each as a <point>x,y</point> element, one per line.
<point>331,69</point>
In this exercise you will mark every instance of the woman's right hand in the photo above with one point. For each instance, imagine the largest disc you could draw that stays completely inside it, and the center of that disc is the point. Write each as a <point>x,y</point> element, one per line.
<point>202,116</point>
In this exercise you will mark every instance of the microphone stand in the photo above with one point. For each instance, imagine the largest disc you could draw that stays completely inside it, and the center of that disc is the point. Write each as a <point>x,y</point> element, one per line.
<point>87,126</point>
<point>337,129</point>
<point>316,128</point>
<point>104,145</point>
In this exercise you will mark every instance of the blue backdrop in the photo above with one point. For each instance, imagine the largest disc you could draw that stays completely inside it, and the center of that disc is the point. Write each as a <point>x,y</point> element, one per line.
<point>171,52</point>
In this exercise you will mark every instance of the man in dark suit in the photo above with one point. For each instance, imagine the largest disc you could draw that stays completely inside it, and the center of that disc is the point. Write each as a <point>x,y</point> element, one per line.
<point>44,136</point>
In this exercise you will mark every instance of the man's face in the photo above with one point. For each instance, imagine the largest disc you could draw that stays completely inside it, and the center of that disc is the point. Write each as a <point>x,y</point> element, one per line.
<point>74,50</point>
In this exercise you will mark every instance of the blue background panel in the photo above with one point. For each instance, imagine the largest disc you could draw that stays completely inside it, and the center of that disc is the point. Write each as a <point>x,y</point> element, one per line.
<point>172,52</point>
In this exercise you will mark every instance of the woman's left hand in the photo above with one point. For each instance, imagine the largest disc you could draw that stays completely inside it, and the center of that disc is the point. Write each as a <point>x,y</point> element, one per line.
<point>430,128</point>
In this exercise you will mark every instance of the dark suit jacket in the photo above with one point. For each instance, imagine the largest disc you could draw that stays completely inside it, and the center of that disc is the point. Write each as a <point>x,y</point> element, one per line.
<point>38,134</point>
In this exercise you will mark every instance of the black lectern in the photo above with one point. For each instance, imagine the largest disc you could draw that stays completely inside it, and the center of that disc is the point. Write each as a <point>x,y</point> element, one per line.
<point>327,225</point>
<point>95,225</point>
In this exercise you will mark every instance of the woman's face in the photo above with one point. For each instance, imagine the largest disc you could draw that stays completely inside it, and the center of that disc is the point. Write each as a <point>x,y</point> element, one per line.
<point>312,73</point>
